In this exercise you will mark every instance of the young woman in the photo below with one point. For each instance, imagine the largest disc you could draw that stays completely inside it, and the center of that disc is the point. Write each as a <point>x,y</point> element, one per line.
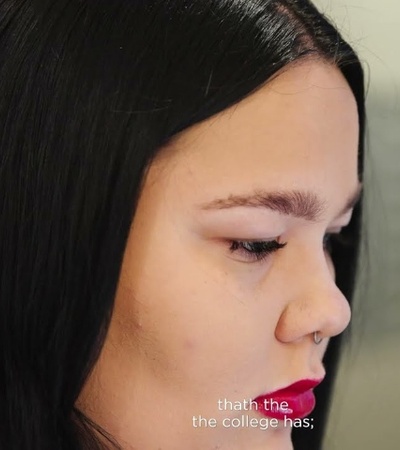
<point>180,221</point>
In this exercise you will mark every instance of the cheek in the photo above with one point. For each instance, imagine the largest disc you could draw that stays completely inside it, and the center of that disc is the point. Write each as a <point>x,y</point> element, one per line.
<point>191,323</point>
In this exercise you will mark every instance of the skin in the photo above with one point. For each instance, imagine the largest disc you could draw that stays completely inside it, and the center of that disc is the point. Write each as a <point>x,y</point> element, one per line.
<point>194,322</point>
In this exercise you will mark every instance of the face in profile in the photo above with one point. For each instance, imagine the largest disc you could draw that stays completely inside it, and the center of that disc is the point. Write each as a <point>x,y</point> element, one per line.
<point>226,273</point>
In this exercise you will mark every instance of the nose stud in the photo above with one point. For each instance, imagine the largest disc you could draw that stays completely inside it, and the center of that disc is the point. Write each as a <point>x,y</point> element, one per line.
<point>317,339</point>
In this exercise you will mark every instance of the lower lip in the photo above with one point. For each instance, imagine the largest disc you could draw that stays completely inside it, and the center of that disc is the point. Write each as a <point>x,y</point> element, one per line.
<point>286,404</point>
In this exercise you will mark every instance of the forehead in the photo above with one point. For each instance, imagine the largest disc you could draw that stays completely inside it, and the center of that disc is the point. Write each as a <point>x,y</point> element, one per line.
<point>299,130</point>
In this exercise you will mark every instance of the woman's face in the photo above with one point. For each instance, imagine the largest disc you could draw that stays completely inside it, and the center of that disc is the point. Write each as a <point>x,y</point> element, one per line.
<point>201,313</point>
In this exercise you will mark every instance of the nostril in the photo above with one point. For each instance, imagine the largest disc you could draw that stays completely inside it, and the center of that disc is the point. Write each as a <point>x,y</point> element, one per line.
<point>324,310</point>
<point>340,314</point>
<point>317,338</point>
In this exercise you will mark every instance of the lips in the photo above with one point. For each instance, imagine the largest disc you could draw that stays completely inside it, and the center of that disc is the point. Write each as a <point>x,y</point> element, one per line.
<point>293,402</point>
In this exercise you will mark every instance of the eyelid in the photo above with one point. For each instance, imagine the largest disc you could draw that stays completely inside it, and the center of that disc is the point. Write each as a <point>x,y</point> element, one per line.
<point>339,226</point>
<point>344,219</point>
<point>335,230</point>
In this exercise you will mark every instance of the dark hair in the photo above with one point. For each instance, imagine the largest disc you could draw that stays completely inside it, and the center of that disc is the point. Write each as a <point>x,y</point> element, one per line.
<point>90,93</point>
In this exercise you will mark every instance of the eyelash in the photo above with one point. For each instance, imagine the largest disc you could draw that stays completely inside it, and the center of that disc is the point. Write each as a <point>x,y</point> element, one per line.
<point>260,250</point>
<point>333,239</point>
<point>256,250</point>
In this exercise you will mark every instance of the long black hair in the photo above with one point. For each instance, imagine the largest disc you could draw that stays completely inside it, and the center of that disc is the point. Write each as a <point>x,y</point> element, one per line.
<point>90,92</point>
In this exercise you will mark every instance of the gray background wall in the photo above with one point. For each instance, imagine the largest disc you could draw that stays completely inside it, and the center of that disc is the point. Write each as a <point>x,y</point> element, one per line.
<point>366,408</point>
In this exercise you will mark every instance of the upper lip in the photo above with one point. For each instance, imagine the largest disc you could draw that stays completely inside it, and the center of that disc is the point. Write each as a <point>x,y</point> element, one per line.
<point>296,387</point>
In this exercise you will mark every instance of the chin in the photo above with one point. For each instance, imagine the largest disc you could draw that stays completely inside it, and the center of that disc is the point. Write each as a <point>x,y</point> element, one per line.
<point>283,442</point>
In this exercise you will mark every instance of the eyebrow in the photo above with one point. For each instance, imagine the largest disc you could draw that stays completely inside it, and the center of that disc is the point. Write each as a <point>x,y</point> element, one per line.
<point>297,203</point>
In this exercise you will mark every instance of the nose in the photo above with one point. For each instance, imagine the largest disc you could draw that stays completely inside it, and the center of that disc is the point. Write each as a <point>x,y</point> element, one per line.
<point>315,303</point>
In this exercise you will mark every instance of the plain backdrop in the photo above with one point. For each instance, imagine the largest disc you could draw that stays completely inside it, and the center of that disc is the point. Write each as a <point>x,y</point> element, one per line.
<point>365,413</point>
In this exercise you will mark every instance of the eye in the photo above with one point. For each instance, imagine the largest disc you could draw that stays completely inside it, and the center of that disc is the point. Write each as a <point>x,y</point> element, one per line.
<point>330,240</point>
<point>255,250</point>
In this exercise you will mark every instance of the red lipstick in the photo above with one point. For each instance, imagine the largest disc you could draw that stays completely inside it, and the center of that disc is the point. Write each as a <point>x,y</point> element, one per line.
<point>293,402</point>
